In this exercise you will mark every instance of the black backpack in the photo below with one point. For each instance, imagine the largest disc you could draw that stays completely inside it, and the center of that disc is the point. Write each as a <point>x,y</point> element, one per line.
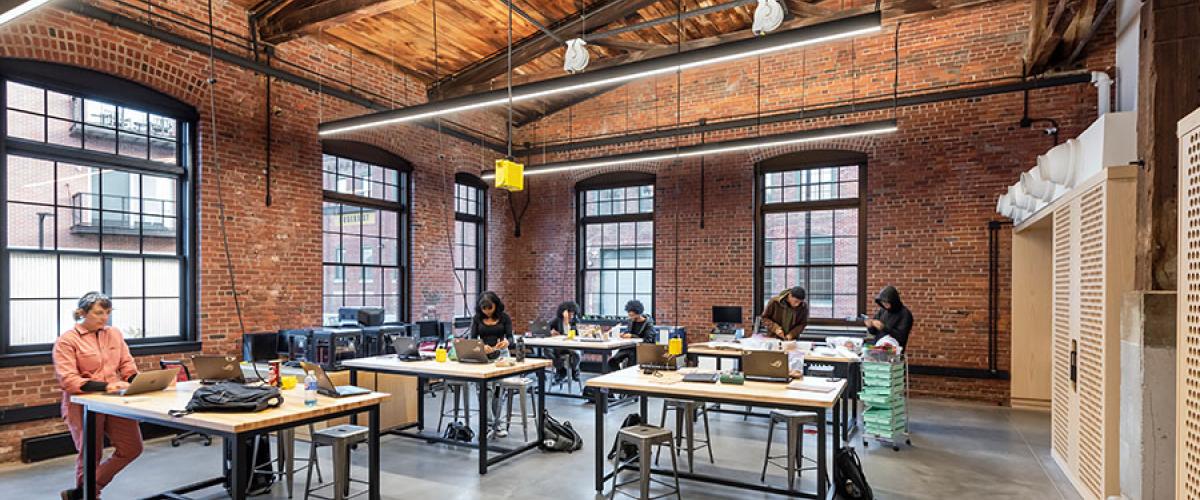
<point>232,397</point>
<point>458,431</point>
<point>258,484</point>
<point>628,451</point>
<point>560,436</point>
<point>849,482</point>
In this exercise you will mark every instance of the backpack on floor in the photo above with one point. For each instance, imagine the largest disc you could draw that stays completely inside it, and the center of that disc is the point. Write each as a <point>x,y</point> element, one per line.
<point>458,431</point>
<point>628,451</point>
<point>849,482</point>
<point>560,436</point>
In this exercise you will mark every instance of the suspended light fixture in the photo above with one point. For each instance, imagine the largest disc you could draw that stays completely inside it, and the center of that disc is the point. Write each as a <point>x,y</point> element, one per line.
<point>768,16</point>
<point>576,58</point>
<point>750,47</point>
<point>713,148</point>
<point>19,9</point>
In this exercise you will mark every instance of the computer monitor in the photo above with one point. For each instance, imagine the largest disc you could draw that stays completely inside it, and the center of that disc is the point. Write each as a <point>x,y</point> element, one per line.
<point>726,314</point>
<point>260,346</point>
<point>433,330</point>
<point>360,316</point>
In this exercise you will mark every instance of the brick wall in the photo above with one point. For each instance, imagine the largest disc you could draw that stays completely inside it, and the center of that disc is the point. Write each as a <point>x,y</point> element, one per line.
<point>931,187</point>
<point>276,250</point>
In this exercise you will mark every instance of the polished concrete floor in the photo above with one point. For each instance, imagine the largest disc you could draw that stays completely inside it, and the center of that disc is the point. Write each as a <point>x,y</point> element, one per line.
<point>959,451</point>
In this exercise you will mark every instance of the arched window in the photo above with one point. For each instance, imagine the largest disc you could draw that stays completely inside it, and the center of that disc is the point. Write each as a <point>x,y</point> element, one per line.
<point>470,242</point>
<point>615,234</point>
<point>365,223</point>
<point>809,231</point>
<point>97,187</point>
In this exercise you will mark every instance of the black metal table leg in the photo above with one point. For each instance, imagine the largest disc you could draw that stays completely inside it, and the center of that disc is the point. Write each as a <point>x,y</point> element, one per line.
<point>644,404</point>
<point>373,456</point>
<point>354,381</point>
<point>838,422</point>
<point>421,403</point>
<point>483,426</point>
<point>601,399</point>
<point>541,406</point>
<point>237,477</point>
<point>89,454</point>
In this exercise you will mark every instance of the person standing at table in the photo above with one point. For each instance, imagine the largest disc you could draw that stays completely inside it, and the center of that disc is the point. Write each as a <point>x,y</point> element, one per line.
<point>892,319</point>
<point>786,314</point>
<point>566,361</point>
<point>640,327</point>
<point>93,357</point>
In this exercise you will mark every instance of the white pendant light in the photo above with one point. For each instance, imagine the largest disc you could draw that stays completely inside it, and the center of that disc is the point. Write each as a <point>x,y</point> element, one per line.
<point>713,148</point>
<point>768,16</point>
<point>576,57</point>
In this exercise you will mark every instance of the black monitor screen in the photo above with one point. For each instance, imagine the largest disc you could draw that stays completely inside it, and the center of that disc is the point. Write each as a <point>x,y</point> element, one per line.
<point>727,314</point>
<point>262,346</point>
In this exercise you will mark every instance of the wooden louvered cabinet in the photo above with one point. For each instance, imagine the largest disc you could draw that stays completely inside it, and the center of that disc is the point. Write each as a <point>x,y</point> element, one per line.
<point>1187,385</point>
<point>1086,257</point>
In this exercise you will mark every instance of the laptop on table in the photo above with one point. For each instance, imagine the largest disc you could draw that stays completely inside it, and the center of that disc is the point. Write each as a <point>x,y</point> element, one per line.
<point>406,348</point>
<point>151,381</point>
<point>325,386</point>
<point>765,366</point>
<point>654,357</point>
<point>211,369</point>
<point>539,328</point>
<point>470,351</point>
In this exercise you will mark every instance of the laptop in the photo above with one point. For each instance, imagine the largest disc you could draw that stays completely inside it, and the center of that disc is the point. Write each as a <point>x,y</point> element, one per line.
<point>470,351</point>
<point>765,366</point>
<point>706,377</point>
<point>654,357</point>
<point>211,369</point>
<point>539,328</point>
<point>150,381</point>
<point>325,386</point>
<point>406,349</point>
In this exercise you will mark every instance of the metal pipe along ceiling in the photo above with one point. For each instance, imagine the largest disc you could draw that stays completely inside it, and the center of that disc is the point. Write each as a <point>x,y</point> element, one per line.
<point>808,35</point>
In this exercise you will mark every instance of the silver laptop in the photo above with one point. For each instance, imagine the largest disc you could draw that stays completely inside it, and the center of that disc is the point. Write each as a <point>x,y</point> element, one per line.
<point>210,369</point>
<point>325,386</point>
<point>470,351</point>
<point>150,381</point>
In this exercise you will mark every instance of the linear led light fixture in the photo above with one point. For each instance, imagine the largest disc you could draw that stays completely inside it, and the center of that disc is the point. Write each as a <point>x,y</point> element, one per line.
<point>749,47</point>
<point>713,148</point>
<point>18,10</point>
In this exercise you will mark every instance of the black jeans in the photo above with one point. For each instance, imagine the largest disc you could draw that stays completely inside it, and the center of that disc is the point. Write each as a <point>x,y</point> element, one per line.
<point>623,359</point>
<point>566,360</point>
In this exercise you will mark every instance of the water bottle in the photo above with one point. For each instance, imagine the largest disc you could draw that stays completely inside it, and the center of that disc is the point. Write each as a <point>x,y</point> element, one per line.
<point>521,349</point>
<point>310,390</point>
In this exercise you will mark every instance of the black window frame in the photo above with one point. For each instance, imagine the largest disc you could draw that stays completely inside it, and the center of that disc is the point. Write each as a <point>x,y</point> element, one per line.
<point>582,220</point>
<point>93,85</point>
<point>809,160</point>
<point>480,221</point>
<point>374,155</point>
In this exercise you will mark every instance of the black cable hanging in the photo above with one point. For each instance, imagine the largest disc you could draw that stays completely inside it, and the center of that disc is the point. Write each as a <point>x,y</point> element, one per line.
<point>678,121</point>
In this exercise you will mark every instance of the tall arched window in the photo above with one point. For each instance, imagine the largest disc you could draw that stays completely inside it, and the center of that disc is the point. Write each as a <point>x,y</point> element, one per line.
<point>470,242</point>
<point>366,229</point>
<point>96,178</point>
<point>615,234</point>
<point>809,231</point>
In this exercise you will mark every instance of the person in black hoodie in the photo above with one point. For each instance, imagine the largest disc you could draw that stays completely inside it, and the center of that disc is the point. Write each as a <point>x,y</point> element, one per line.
<point>892,319</point>
<point>566,361</point>
<point>640,327</point>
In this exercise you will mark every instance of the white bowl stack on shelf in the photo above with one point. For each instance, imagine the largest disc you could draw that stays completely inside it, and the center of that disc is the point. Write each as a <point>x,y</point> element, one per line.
<point>1110,140</point>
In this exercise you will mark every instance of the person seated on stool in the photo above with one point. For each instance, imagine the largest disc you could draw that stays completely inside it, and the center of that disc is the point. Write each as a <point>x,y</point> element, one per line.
<point>786,314</point>
<point>892,319</point>
<point>640,327</point>
<point>92,357</point>
<point>494,327</point>
<point>566,361</point>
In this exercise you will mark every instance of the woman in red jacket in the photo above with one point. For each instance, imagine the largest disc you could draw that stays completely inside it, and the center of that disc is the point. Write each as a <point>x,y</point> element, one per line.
<point>93,357</point>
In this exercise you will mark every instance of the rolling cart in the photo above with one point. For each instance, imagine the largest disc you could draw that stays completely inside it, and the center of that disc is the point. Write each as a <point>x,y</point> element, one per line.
<point>885,392</point>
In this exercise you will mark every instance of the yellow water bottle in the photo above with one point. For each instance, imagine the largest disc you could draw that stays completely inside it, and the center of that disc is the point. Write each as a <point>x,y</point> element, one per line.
<point>571,334</point>
<point>439,354</point>
<point>675,346</point>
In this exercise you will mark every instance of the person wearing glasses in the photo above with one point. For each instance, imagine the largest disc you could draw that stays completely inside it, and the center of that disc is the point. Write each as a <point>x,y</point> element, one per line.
<point>92,357</point>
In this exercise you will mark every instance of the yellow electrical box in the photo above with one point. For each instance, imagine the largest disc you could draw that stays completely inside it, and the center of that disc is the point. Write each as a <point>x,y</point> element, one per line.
<point>510,175</point>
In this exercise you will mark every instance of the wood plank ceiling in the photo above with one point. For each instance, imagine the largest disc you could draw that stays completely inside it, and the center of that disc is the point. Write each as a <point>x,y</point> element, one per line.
<point>472,35</point>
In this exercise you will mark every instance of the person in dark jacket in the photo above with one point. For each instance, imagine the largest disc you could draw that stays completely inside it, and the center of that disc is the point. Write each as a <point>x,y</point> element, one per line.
<point>491,324</point>
<point>640,327</point>
<point>786,314</point>
<point>892,319</point>
<point>566,361</point>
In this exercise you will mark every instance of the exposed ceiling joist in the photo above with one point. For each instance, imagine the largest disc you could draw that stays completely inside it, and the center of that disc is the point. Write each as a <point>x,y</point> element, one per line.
<point>805,8</point>
<point>626,45</point>
<point>732,4</point>
<point>1059,41</point>
<point>539,44</point>
<point>297,19</point>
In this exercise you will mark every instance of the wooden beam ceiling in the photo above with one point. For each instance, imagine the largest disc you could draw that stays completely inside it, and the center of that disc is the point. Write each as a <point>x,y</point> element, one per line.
<point>539,44</point>
<point>299,18</point>
<point>1058,39</point>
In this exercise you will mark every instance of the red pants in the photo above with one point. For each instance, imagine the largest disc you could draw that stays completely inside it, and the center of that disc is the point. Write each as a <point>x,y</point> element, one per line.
<point>122,433</point>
